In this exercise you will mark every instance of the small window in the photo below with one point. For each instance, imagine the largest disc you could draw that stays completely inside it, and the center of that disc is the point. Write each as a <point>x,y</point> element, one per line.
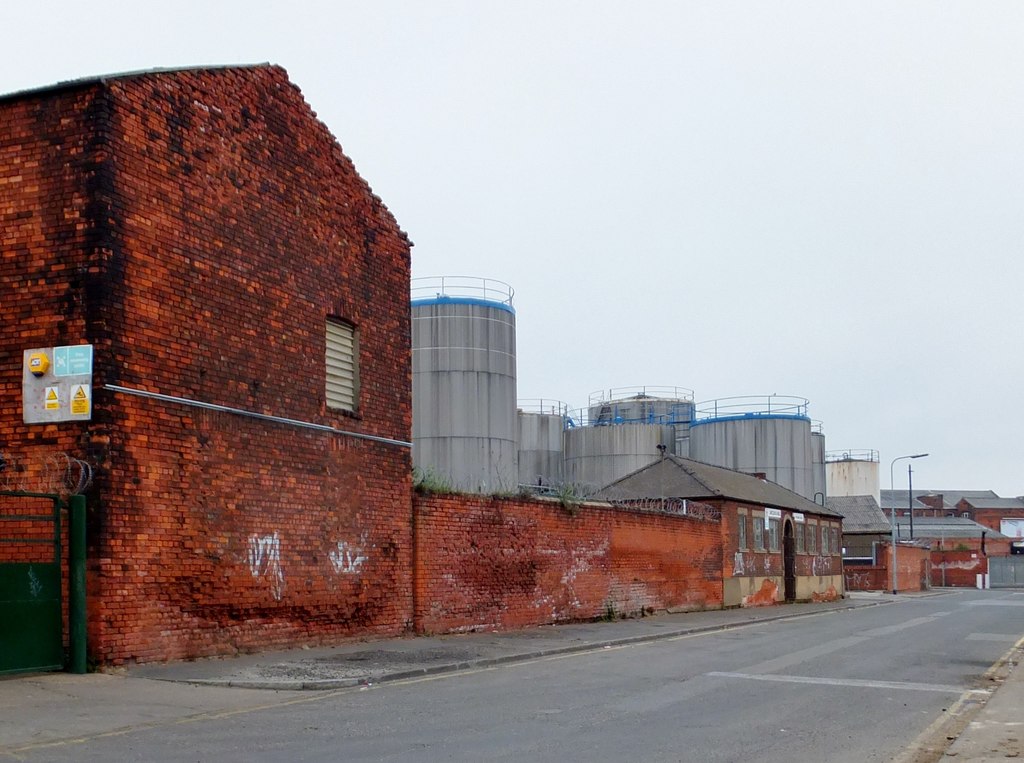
<point>799,538</point>
<point>824,541</point>
<point>773,534</point>
<point>342,366</point>
<point>812,539</point>
<point>835,541</point>
<point>741,531</point>
<point>759,533</point>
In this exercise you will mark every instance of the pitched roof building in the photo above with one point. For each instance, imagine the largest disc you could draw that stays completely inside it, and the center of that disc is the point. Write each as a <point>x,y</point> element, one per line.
<point>777,545</point>
<point>245,297</point>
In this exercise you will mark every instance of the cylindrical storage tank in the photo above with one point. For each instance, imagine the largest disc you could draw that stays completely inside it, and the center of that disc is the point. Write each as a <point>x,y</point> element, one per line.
<point>671,406</point>
<point>598,455</point>
<point>818,462</point>
<point>464,382</point>
<point>768,435</point>
<point>852,472</point>
<point>540,425</point>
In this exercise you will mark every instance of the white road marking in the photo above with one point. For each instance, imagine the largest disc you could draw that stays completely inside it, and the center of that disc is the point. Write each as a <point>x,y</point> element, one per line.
<point>904,685</point>
<point>1011,637</point>
<point>888,630</point>
<point>795,658</point>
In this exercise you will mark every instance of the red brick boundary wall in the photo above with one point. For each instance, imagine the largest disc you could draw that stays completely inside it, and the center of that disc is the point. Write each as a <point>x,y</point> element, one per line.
<point>958,569</point>
<point>866,578</point>
<point>508,563</point>
<point>913,565</point>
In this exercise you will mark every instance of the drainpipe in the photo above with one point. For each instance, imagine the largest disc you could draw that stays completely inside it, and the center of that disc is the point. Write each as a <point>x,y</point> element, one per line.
<point>76,579</point>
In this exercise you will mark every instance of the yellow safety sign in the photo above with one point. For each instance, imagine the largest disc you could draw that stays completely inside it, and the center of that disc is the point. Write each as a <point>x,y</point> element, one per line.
<point>52,399</point>
<point>80,400</point>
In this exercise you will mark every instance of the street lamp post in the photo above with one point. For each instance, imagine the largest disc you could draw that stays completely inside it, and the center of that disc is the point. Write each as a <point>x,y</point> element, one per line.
<point>892,513</point>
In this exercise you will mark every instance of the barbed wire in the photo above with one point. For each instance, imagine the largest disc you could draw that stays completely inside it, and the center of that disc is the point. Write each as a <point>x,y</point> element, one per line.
<point>57,473</point>
<point>678,506</point>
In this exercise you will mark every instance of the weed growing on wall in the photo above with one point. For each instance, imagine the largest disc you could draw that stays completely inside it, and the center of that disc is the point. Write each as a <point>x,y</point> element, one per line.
<point>569,497</point>
<point>429,482</point>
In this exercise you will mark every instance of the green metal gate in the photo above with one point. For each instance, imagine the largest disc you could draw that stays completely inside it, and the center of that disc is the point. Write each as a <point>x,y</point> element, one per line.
<point>31,621</point>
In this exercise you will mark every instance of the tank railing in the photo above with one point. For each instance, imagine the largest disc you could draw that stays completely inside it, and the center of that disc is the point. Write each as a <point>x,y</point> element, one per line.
<point>543,405</point>
<point>561,490</point>
<point>441,287</point>
<point>583,417</point>
<point>864,454</point>
<point>817,426</point>
<point>640,393</point>
<point>752,407</point>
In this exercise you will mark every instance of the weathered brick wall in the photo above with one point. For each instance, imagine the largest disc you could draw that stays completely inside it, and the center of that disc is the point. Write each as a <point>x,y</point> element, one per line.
<point>866,578</point>
<point>913,567</point>
<point>958,569</point>
<point>52,171</point>
<point>199,228</point>
<point>28,527</point>
<point>504,563</point>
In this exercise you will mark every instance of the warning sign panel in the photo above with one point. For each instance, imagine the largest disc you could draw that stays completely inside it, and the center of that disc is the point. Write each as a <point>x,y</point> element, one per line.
<point>56,384</point>
<point>80,401</point>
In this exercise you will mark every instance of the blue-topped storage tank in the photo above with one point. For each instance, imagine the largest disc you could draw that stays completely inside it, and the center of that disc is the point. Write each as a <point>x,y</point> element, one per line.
<point>464,382</point>
<point>769,435</point>
<point>622,430</point>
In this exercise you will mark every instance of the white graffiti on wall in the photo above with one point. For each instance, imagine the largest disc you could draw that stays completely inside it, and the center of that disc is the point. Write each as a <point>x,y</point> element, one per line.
<point>35,587</point>
<point>265,561</point>
<point>821,566</point>
<point>349,557</point>
<point>563,601</point>
<point>737,564</point>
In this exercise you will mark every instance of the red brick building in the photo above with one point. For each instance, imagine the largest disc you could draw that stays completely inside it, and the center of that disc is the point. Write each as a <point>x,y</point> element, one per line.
<point>1004,515</point>
<point>204,232</point>
<point>776,545</point>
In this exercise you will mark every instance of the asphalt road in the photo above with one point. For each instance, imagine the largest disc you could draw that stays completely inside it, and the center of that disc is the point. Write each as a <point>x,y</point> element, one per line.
<point>857,685</point>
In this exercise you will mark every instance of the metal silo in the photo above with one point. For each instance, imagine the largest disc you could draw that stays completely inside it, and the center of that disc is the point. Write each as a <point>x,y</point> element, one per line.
<point>818,462</point>
<point>769,435</point>
<point>621,430</point>
<point>852,472</point>
<point>540,425</point>
<point>464,382</point>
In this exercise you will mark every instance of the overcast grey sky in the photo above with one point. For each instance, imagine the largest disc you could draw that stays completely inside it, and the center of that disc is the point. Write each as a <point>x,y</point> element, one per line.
<point>808,198</point>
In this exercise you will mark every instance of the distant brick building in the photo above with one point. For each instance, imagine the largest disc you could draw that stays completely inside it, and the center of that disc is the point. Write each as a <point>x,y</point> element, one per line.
<point>206,234</point>
<point>1005,515</point>
<point>775,544</point>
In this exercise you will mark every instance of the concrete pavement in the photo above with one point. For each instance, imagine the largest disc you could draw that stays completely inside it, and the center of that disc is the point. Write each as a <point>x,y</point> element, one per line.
<point>997,731</point>
<point>55,709</point>
<point>370,662</point>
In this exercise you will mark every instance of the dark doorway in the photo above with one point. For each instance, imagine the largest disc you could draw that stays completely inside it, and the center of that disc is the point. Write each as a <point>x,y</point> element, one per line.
<point>789,560</point>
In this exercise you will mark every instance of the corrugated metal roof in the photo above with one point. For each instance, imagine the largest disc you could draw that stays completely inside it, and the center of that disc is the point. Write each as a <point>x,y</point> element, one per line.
<point>996,503</point>
<point>861,513</point>
<point>676,477</point>
<point>950,498</point>
<point>944,527</point>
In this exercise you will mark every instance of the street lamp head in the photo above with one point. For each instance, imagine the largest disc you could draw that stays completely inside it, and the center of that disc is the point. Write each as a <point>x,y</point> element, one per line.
<point>920,455</point>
